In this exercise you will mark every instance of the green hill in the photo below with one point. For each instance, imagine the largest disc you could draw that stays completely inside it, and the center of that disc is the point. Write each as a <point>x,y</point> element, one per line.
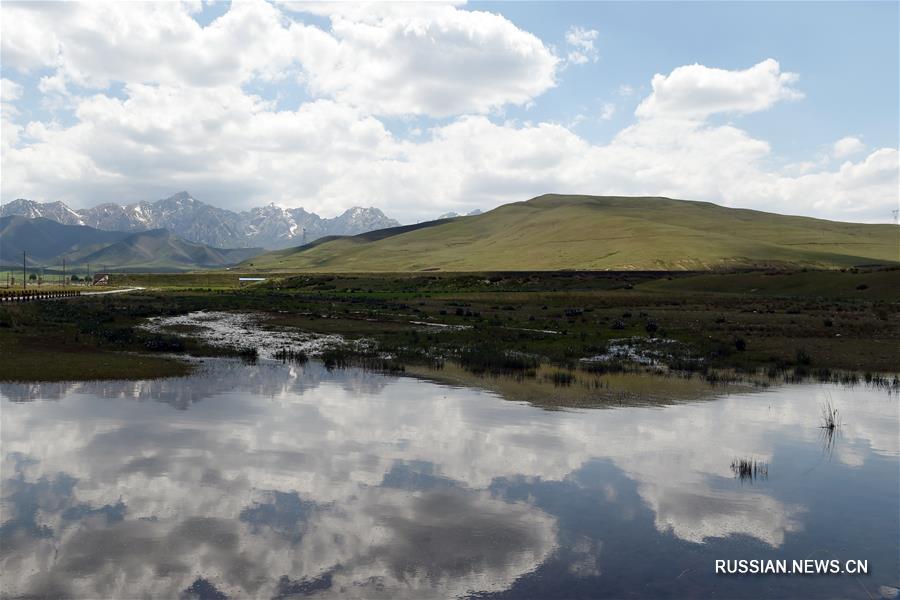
<point>554,232</point>
<point>45,241</point>
<point>161,250</point>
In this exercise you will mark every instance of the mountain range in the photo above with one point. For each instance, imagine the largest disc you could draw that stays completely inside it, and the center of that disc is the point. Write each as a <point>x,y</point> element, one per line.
<point>183,215</point>
<point>45,242</point>
<point>564,232</point>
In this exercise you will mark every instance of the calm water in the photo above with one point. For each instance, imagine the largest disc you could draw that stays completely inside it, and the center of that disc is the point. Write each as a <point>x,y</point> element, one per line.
<point>278,481</point>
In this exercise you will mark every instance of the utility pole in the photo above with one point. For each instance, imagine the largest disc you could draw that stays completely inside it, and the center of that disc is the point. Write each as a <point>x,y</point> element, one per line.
<point>24,275</point>
<point>64,272</point>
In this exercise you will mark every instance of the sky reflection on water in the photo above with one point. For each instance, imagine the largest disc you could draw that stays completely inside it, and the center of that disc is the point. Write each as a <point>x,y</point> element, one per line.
<point>287,481</point>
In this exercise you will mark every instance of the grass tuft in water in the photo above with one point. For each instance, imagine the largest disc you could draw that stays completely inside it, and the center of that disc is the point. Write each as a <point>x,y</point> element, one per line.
<point>748,469</point>
<point>286,355</point>
<point>829,416</point>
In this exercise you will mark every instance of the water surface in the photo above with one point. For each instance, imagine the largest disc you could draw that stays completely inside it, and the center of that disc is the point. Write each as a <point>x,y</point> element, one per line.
<point>276,481</point>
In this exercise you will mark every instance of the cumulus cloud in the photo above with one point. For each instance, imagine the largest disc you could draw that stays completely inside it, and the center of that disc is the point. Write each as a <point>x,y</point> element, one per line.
<point>190,115</point>
<point>436,60</point>
<point>697,91</point>
<point>847,146</point>
<point>93,45</point>
<point>418,59</point>
<point>581,42</point>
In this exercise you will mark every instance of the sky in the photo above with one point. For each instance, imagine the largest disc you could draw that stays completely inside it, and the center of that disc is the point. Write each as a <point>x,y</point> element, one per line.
<point>421,109</point>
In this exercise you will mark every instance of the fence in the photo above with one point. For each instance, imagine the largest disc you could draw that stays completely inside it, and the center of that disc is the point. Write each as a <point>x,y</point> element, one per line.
<point>33,295</point>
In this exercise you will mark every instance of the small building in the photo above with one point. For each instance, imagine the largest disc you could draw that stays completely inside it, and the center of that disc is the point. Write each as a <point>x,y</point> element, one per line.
<point>100,279</point>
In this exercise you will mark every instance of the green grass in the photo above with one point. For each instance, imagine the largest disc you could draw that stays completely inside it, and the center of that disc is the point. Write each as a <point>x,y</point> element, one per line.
<point>811,322</point>
<point>196,279</point>
<point>850,284</point>
<point>50,357</point>
<point>556,232</point>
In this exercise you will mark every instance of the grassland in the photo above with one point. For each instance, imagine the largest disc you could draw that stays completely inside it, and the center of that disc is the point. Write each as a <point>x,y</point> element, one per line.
<point>43,357</point>
<point>555,232</point>
<point>811,323</point>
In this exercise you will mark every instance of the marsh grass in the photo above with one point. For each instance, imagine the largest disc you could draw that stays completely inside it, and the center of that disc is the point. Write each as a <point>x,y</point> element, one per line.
<point>525,322</point>
<point>292,355</point>
<point>342,357</point>
<point>561,378</point>
<point>748,469</point>
<point>489,360</point>
<point>248,354</point>
<point>829,416</point>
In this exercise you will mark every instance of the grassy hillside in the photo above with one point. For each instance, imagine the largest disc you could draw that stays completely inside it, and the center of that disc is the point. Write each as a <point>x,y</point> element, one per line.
<point>160,250</point>
<point>44,240</point>
<point>555,232</point>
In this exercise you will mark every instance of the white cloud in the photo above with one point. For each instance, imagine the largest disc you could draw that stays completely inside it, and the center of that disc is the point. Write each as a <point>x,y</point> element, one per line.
<point>327,157</point>
<point>9,90</point>
<point>443,62</point>
<point>847,146</point>
<point>181,123</point>
<point>94,44</point>
<point>696,91</point>
<point>582,42</point>
<point>431,59</point>
<point>607,111</point>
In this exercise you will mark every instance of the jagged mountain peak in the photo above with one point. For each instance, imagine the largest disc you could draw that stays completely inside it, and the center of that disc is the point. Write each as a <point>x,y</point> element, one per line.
<point>270,226</point>
<point>181,196</point>
<point>55,211</point>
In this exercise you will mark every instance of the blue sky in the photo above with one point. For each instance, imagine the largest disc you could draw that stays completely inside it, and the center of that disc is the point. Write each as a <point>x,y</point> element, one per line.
<point>421,109</point>
<point>846,54</point>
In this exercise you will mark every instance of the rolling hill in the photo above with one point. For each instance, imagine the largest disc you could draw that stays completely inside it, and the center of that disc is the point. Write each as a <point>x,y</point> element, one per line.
<point>46,243</point>
<point>43,240</point>
<point>161,250</point>
<point>554,232</point>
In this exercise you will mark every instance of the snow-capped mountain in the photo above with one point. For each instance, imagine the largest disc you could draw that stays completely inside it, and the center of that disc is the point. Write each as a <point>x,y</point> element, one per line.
<point>453,215</point>
<point>267,226</point>
<point>55,211</point>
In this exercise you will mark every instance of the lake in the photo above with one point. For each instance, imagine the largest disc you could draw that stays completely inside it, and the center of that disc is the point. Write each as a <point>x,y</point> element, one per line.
<point>278,481</point>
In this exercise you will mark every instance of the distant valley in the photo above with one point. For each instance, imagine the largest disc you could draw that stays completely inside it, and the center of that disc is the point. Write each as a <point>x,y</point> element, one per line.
<point>270,227</point>
<point>46,243</point>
